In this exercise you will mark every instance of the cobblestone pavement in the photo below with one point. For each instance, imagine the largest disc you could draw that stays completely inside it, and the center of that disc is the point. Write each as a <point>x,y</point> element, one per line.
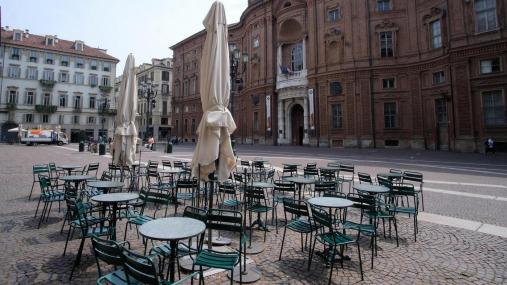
<point>441,255</point>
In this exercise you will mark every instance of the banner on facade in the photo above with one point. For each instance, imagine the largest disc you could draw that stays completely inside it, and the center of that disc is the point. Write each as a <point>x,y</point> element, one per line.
<point>312,109</point>
<point>268,112</point>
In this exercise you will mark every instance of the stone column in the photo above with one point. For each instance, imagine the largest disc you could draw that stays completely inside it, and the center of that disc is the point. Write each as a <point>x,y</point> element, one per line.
<point>278,58</point>
<point>281,125</point>
<point>306,139</point>
<point>304,53</point>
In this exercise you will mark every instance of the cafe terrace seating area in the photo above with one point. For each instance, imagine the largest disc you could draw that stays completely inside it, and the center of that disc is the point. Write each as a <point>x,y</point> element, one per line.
<point>153,223</point>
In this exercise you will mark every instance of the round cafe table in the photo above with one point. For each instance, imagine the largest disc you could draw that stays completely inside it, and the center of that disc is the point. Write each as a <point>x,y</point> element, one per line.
<point>113,199</point>
<point>371,188</point>
<point>300,181</point>
<point>105,186</point>
<point>172,229</point>
<point>77,179</point>
<point>69,167</point>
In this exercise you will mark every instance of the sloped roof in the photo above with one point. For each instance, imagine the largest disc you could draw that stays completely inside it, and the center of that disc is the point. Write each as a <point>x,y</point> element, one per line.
<point>39,42</point>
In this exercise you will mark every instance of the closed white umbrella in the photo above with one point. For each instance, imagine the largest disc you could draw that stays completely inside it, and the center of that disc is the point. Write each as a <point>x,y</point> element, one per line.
<point>125,134</point>
<point>217,123</point>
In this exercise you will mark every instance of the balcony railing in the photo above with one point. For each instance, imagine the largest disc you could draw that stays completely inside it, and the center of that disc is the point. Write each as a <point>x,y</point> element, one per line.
<point>291,79</point>
<point>47,109</point>
<point>47,83</point>
<point>105,89</point>
<point>107,112</point>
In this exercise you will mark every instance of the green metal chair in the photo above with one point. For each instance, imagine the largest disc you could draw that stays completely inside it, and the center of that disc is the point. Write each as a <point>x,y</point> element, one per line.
<point>283,190</point>
<point>110,252</point>
<point>364,178</point>
<point>289,171</point>
<point>256,203</point>
<point>49,194</point>
<point>331,238</point>
<point>89,227</point>
<point>415,178</point>
<point>297,219</point>
<point>38,169</point>
<point>384,208</point>
<point>187,190</point>
<point>137,217</point>
<point>411,207</point>
<point>322,187</point>
<point>223,220</point>
<point>346,175</point>
<point>363,204</point>
<point>228,196</point>
<point>143,269</point>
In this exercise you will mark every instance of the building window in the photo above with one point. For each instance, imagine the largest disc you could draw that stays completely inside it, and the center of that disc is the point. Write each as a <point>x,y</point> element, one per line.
<point>335,88</point>
<point>92,102</point>
<point>45,118</point>
<point>91,120</point>
<point>15,53</point>
<point>50,41</point>
<point>383,5</point>
<point>256,121</point>
<point>61,119</point>
<point>31,73</point>
<point>185,88</point>
<point>33,56</point>
<point>17,36</point>
<point>494,108</point>
<point>256,42</point>
<point>30,96</point>
<point>388,83</point>
<point>46,99</point>
<point>165,75</point>
<point>177,89</point>
<point>192,86</point>
<point>438,77</point>
<point>152,76</point>
<point>14,71</point>
<point>165,88</point>
<point>164,107</point>
<point>63,100</point>
<point>93,64</point>
<point>193,126</point>
<point>93,80</point>
<point>485,15</point>
<point>386,44</point>
<point>297,57</point>
<point>64,76</point>
<point>50,58</point>
<point>79,78</point>
<point>336,116</point>
<point>13,97</point>
<point>389,115</point>
<point>333,15</point>
<point>75,119</point>
<point>105,80</point>
<point>64,60</point>
<point>77,102</point>
<point>490,66</point>
<point>436,34</point>
<point>79,62</point>
<point>28,118</point>
<point>48,74</point>
<point>106,66</point>
<point>441,111</point>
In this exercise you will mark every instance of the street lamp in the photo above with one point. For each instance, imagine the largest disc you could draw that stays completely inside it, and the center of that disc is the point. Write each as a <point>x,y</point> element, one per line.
<point>234,59</point>
<point>103,109</point>
<point>148,91</point>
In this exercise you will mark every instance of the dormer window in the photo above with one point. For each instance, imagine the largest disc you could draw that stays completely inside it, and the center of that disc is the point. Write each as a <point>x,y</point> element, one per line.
<point>50,41</point>
<point>18,35</point>
<point>78,45</point>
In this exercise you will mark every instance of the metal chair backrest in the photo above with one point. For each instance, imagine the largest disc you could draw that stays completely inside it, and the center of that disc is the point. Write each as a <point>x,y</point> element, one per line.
<point>106,176</point>
<point>245,163</point>
<point>108,251</point>
<point>413,176</point>
<point>321,217</point>
<point>255,196</point>
<point>289,170</point>
<point>347,168</point>
<point>364,178</point>
<point>284,187</point>
<point>362,202</point>
<point>40,169</point>
<point>327,175</point>
<point>384,181</point>
<point>270,175</point>
<point>195,213</point>
<point>297,208</point>
<point>325,186</point>
<point>53,170</point>
<point>392,170</point>
<point>310,171</point>
<point>238,177</point>
<point>45,185</point>
<point>312,165</point>
<point>225,220</point>
<point>166,163</point>
<point>334,194</point>
<point>140,267</point>
<point>227,188</point>
<point>92,169</point>
<point>178,164</point>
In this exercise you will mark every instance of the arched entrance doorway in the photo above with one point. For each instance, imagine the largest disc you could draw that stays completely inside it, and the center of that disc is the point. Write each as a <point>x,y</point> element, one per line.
<point>297,124</point>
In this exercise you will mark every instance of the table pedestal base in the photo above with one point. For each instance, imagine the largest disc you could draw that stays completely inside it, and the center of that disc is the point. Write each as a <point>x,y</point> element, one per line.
<point>186,264</point>
<point>250,275</point>
<point>254,248</point>
<point>220,240</point>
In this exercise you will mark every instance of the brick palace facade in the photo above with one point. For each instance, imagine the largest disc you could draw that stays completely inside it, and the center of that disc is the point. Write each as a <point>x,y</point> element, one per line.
<point>370,73</point>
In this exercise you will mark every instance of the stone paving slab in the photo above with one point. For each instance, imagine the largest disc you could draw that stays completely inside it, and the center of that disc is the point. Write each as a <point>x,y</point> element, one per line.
<point>441,255</point>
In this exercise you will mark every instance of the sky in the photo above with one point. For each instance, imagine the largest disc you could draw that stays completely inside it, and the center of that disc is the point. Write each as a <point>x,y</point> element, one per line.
<point>145,28</point>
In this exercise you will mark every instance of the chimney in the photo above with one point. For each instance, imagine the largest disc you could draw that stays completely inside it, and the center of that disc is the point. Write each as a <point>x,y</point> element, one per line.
<point>27,33</point>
